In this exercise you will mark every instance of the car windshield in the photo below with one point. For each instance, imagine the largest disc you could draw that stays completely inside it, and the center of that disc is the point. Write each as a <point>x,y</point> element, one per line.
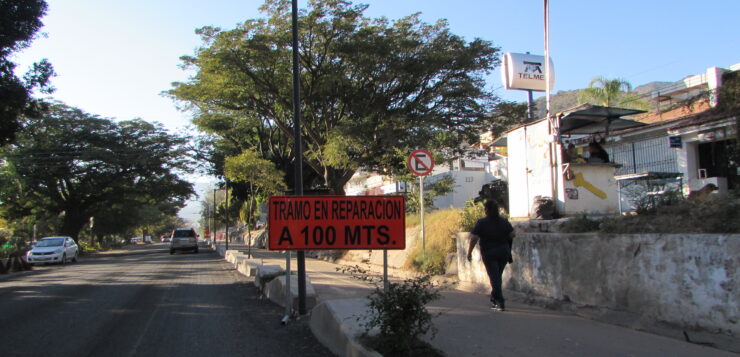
<point>56,242</point>
<point>183,234</point>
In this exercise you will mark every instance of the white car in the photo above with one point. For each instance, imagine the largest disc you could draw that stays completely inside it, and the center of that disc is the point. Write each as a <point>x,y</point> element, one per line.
<point>53,250</point>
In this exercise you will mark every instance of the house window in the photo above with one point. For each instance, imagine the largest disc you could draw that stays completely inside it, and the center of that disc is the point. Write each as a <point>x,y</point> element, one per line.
<point>720,159</point>
<point>468,179</point>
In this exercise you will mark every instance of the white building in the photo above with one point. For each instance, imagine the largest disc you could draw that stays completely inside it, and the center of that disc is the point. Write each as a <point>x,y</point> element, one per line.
<point>688,145</point>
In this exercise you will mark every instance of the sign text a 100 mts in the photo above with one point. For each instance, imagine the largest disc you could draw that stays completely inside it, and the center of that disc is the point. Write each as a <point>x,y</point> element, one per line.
<point>336,222</point>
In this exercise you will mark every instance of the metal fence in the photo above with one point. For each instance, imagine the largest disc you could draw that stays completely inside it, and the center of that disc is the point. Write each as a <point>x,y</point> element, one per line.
<point>651,154</point>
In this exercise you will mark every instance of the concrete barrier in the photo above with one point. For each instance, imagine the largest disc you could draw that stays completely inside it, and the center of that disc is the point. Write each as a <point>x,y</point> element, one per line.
<point>265,273</point>
<point>248,267</point>
<point>275,291</point>
<point>335,325</point>
<point>231,255</point>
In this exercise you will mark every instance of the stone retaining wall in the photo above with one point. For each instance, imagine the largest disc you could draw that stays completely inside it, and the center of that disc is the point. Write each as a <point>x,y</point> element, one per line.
<point>683,279</point>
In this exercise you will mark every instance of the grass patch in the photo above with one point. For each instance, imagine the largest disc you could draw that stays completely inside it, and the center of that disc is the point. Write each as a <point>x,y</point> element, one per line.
<point>413,220</point>
<point>580,224</point>
<point>441,227</point>
<point>717,214</point>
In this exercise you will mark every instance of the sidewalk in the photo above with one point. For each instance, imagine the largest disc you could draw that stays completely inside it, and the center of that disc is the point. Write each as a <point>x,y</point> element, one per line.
<point>467,326</point>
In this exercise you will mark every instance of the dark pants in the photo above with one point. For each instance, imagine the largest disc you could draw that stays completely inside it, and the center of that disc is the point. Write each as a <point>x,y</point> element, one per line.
<point>495,269</point>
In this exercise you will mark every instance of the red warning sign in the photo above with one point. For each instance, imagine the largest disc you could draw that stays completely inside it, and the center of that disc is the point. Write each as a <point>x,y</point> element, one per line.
<point>336,222</point>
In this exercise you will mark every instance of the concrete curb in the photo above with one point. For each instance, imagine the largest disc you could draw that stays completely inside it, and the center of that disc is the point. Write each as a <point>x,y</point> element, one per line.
<point>275,291</point>
<point>265,273</point>
<point>248,267</point>
<point>333,322</point>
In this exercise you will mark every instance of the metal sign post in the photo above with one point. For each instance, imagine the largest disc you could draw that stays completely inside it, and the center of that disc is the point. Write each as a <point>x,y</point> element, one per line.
<point>421,212</point>
<point>421,163</point>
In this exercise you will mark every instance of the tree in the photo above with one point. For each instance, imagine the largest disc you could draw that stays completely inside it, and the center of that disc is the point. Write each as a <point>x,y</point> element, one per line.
<point>507,115</point>
<point>372,89</point>
<point>75,165</point>
<point>260,176</point>
<point>20,20</point>
<point>611,93</point>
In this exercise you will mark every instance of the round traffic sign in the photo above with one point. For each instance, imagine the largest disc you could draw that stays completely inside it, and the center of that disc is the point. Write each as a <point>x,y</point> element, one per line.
<point>420,162</point>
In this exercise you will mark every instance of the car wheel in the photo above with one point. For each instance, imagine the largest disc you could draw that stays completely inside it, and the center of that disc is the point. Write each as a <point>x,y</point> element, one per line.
<point>74,259</point>
<point>172,251</point>
<point>64,259</point>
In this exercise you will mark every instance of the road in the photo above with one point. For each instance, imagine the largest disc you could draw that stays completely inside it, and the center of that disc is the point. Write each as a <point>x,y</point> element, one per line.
<point>142,301</point>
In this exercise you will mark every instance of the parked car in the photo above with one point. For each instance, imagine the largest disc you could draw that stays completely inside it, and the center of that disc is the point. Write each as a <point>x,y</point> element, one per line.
<point>165,239</point>
<point>53,250</point>
<point>184,239</point>
<point>135,240</point>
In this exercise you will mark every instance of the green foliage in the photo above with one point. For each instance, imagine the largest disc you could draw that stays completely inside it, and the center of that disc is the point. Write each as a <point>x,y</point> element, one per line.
<point>440,187</point>
<point>401,315</point>
<point>611,93</point>
<point>261,174</point>
<point>729,95</point>
<point>20,20</point>
<point>498,191</point>
<point>371,88</point>
<point>507,115</point>
<point>87,247</point>
<point>580,224</point>
<point>432,262</point>
<point>67,166</point>
<point>717,214</point>
<point>645,203</point>
<point>472,212</point>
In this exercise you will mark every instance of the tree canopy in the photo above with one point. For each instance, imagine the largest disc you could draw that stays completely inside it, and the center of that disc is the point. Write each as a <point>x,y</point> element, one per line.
<point>19,22</point>
<point>371,89</point>
<point>611,93</point>
<point>74,165</point>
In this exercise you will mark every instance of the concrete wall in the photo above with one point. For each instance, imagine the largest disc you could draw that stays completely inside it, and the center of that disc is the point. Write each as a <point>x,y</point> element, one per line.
<point>685,279</point>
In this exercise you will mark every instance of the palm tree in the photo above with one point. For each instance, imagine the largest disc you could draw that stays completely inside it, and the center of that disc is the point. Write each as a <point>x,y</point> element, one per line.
<point>611,93</point>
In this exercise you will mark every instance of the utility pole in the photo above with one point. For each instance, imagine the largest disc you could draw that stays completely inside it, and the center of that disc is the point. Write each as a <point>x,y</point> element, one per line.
<point>298,149</point>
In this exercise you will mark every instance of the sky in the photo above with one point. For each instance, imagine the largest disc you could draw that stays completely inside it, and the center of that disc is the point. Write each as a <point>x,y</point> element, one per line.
<point>114,58</point>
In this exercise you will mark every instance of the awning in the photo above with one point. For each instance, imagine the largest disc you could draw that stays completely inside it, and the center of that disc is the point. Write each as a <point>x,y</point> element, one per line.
<point>590,119</point>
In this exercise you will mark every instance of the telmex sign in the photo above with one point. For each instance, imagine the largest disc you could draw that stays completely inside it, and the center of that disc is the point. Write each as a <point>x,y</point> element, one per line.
<point>525,71</point>
<point>336,222</point>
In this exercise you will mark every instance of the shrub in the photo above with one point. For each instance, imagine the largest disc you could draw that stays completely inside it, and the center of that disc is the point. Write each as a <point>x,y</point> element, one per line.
<point>401,316</point>
<point>472,212</point>
<point>717,214</point>
<point>86,246</point>
<point>433,262</point>
<point>580,224</point>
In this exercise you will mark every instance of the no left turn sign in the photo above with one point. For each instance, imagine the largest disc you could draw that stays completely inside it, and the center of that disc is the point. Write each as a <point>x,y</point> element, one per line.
<point>420,162</point>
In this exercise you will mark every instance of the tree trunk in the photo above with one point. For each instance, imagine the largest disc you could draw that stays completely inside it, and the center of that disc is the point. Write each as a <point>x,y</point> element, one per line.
<point>72,224</point>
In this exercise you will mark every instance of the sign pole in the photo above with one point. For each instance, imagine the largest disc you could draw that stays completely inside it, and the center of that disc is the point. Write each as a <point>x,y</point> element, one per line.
<point>298,149</point>
<point>288,294</point>
<point>421,200</point>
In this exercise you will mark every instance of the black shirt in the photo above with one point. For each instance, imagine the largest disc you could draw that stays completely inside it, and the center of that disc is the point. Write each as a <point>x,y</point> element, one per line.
<point>494,236</point>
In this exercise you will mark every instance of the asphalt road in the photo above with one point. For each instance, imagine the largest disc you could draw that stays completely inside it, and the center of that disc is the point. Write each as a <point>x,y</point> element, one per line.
<point>142,301</point>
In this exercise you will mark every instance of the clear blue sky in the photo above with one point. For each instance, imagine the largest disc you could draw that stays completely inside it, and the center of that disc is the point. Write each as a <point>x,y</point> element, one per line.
<point>114,57</point>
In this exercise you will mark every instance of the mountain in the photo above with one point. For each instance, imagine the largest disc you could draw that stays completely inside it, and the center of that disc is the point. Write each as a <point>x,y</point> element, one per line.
<point>563,100</point>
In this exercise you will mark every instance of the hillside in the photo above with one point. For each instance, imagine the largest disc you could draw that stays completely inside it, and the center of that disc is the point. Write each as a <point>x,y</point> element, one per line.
<point>563,100</point>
